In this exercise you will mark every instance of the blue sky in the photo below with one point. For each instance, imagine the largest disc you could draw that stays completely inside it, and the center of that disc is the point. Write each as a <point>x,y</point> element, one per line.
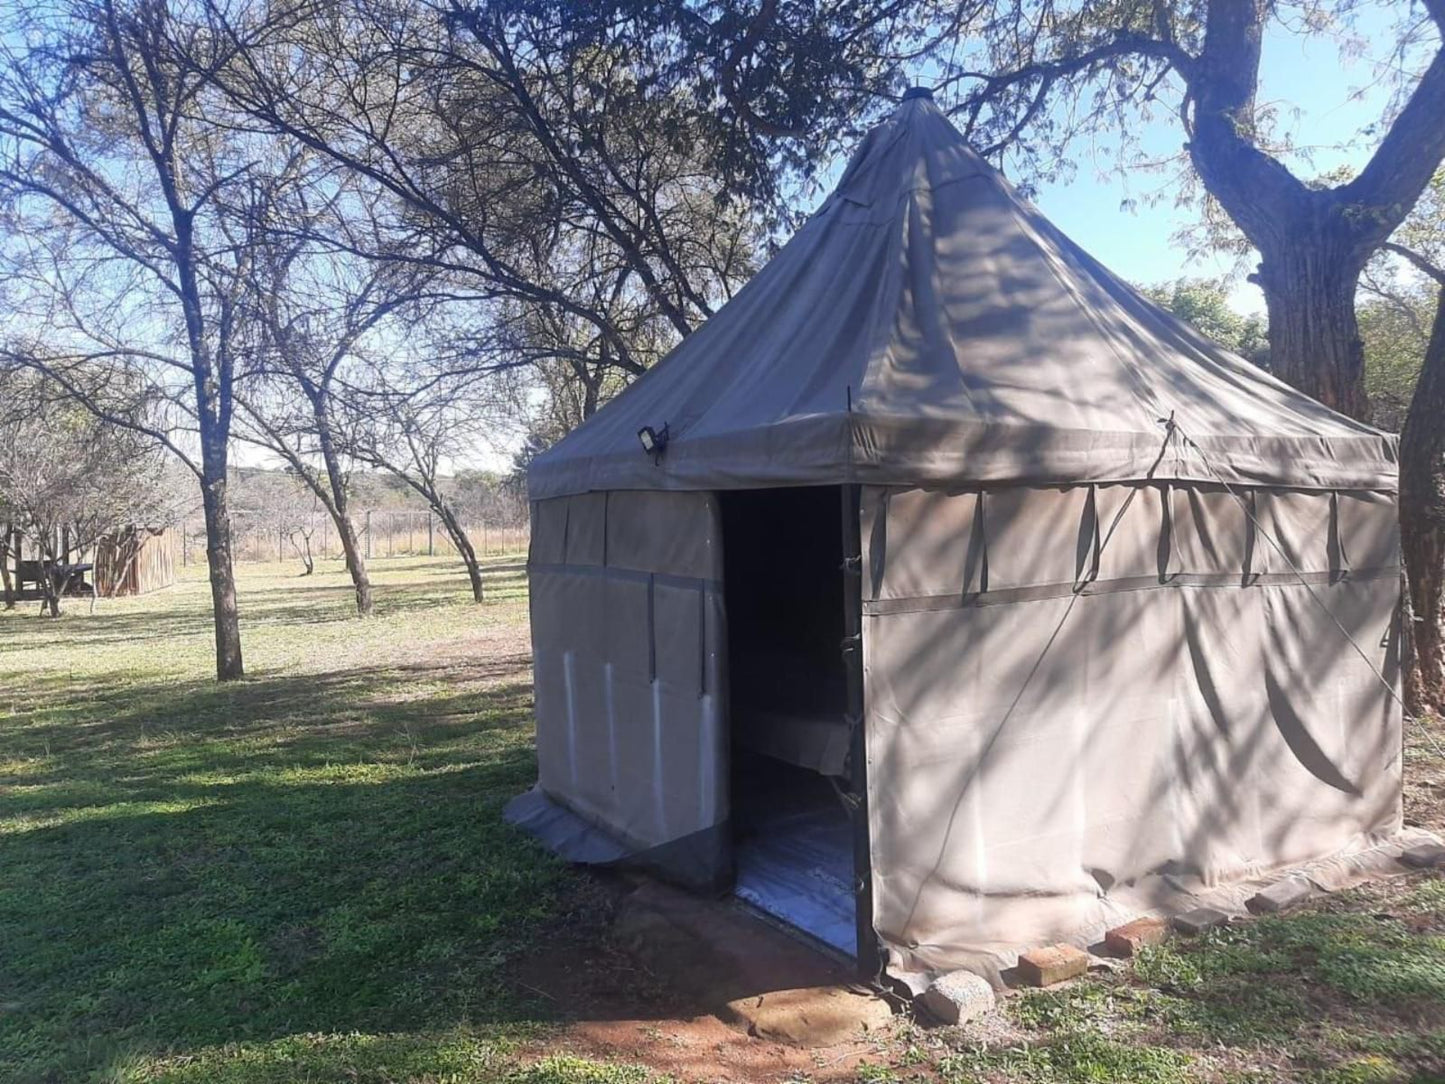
<point>1325,100</point>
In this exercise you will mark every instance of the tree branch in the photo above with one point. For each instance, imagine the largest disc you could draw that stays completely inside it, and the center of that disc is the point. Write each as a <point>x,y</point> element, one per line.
<point>1407,157</point>
<point>1420,262</point>
<point>88,400</point>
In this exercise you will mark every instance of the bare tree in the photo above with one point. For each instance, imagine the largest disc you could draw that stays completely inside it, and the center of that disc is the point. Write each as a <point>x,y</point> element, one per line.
<point>112,173</point>
<point>538,163</point>
<point>70,478</point>
<point>7,534</point>
<point>278,504</point>
<point>7,584</point>
<point>321,291</point>
<point>411,423</point>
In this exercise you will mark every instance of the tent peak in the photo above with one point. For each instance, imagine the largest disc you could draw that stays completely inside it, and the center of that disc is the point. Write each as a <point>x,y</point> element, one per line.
<point>918,92</point>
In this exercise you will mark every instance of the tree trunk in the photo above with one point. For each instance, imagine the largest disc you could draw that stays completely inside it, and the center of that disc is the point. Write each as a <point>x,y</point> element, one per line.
<point>339,506</point>
<point>50,589</point>
<point>1422,521</point>
<point>215,504</point>
<point>9,584</point>
<point>464,547</point>
<point>355,562</point>
<point>1314,340</point>
<point>49,576</point>
<point>305,554</point>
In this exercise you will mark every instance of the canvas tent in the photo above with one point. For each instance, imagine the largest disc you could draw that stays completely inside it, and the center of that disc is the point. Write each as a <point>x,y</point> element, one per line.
<point>973,602</point>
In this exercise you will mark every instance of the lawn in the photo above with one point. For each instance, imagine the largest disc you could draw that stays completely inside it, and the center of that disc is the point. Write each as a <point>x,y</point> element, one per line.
<point>304,877</point>
<point>301,876</point>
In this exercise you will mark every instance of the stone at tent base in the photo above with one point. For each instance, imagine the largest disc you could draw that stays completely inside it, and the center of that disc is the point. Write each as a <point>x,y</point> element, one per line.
<point>1195,922</point>
<point>1128,939</point>
<point>1424,856</point>
<point>812,1015</point>
<point>1046,966</point>
<point>1279,896</point>
<point>958,997</point>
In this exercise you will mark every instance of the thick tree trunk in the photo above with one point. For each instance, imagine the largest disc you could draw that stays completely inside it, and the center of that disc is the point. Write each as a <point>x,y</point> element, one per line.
<point>216,506</point>
<point>1422,521</point>
<point>1314,340</point>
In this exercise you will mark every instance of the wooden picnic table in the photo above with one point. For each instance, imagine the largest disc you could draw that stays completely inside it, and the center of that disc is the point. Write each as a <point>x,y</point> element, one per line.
<point>69,578</point>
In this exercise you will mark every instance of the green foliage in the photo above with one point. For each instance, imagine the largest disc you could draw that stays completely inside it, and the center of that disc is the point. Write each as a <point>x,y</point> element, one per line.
<point>1166,967</point>
<point>1204,304</point>
<point>1075,1056</point>
<point>1076,1005</point>
<point>563,1070</point>
<point>1367,1070</point>
<point>1395,331</point>
<point>875,1074</point>
<point>1359,958</point>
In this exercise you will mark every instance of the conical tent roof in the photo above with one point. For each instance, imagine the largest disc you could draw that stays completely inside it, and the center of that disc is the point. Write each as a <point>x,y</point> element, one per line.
<point>928,326</point>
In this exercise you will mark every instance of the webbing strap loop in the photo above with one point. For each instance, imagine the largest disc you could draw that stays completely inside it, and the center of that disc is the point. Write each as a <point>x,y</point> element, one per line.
<point>1089,535</point>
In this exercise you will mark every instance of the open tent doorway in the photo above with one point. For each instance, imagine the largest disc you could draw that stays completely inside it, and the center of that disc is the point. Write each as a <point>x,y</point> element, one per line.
<point>788,701</point>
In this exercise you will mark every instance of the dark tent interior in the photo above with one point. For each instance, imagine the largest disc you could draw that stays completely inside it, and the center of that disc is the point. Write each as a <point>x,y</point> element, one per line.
<point>782,557</point>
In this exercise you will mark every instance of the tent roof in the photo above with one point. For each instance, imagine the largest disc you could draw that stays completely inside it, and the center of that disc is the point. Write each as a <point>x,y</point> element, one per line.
<point>927,326</point>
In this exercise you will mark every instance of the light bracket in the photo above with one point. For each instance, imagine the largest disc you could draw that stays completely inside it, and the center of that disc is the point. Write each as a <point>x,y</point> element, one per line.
<point>654,442</point>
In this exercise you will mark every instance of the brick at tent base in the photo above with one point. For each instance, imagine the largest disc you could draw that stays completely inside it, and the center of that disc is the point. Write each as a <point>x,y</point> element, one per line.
<point>1424,856</point>
<point>1056,963</point>
<point>1128,939</point>
<point>1192,923</point>
<point>1280,896</point>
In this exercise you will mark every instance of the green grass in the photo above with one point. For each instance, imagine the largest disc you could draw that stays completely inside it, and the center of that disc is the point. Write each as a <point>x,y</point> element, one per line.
<point>304,877</point>
<point>301,876</point>
<point>1351,989</point>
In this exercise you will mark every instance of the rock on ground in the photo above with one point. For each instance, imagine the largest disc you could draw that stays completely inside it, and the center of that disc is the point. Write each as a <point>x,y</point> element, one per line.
<point>1424,855</point>
<point>813,1015</point>
<point>958,997</point>
<point>1279,896</point>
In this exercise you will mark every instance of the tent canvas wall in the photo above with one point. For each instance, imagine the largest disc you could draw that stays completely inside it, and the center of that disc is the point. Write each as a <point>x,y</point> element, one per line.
<point>1119,611</point>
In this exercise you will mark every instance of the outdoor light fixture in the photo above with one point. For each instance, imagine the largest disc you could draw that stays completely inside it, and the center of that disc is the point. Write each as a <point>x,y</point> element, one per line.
<point>653,442</point>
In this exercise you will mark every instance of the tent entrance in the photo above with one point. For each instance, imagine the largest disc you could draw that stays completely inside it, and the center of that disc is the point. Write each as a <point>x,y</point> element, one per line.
<point>793,838</point>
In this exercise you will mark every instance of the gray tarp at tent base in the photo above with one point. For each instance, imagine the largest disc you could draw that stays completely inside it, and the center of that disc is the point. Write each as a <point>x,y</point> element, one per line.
<point>1113,583</point>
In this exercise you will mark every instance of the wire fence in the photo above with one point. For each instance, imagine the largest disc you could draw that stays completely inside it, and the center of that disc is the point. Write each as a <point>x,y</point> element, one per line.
<point>381,533</point>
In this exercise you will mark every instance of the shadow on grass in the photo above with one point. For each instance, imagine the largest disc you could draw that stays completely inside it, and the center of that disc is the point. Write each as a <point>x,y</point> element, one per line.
<point>192,864</point>
<point>269,601</point>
